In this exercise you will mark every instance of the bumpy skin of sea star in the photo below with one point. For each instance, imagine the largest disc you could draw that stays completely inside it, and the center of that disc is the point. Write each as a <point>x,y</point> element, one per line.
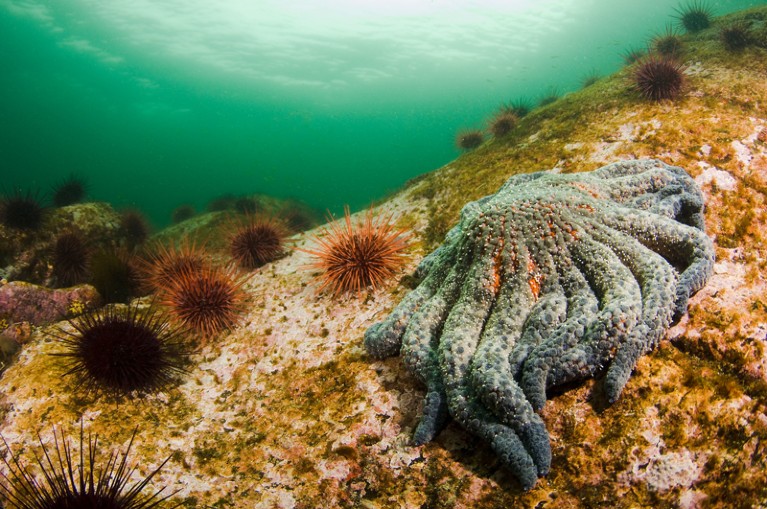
<point>553,279</point>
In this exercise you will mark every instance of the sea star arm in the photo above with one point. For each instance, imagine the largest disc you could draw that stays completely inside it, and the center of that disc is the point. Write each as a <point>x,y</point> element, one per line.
<point>459,341</point>
<point>548,313</point>
<point>657,280</point>
<point>578,355</point>
<point>384,339</point>
<point>683,246</point>
<point>419,352</point>
<point>490,370</point>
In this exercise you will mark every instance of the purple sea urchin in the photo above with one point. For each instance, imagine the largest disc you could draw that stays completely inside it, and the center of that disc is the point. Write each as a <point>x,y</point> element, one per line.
<point>503,122</point>
<point>247,205</point>
<point>632,55</point>
<point>590,78</point>
<point>667,43</point>
<point>134,228</point>
<point>114,274</point>
<point>182,213</point>
<point>694,16</point>
<point>21,211</point>
<point>735,37</point>
<point>70,259</point>
<point>121,350</point>
<point>658,78</point>
<point>521,107</point>
<point>297,215</point>
<point>76,480</point>
<point>550,96</point>
<point>221,203</point>
<point>69,191</point>
<point>469,139</point>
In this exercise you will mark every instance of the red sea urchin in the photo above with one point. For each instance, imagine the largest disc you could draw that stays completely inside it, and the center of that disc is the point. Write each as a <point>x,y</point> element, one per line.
<point>658,78</point>
<point>63,482</point>
<point>257,241</point>
<point>121,350</point>
<point>163,265</point>
<point>207,300</point>
<point>353,257</point>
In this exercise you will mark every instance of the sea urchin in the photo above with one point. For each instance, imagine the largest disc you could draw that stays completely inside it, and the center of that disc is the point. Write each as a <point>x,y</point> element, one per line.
<point>21,211</point>
<point>207,300</point>
<point>658,78</point>
<point>69,191</point>
<point>735,37</point>
<point>694,16</point>
<point>70,258</point>
<point>632,55</point>
<point>63,482</point>
<point>353,257</point>
<point>667,43</point>
<point>122,349</point>
<point>503,122</point>
<point>182,213</point>
<point>163,265</point>
<point>469,139</point>
<point>134,228</point>
<point>113,273</point>
<point>257,241</point>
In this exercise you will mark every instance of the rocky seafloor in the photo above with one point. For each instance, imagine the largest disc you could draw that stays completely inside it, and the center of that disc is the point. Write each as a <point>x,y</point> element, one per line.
<point>288,411</point>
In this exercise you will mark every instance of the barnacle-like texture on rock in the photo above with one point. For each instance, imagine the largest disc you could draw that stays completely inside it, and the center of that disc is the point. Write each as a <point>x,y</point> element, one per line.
<point>553,279</point>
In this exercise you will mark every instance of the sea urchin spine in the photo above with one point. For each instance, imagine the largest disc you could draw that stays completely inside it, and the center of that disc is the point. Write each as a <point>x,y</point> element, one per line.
<point>469,139</point>
<point>21,211</point>
<point>64,483</point>
<point>207,300</point>
<point>70,258</point>
<point>163,265</point>
<point>658,78</point>
<point>257,241</point>
<point>353,257</point>
<point>122,349</point>
<point>694,16</point>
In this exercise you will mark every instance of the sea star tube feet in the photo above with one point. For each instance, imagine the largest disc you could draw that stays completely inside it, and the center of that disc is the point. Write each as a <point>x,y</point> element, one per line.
<point>552,280</point>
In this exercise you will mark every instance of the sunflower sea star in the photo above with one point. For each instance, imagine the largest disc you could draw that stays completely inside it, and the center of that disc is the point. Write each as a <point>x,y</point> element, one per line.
<point>553,279</point>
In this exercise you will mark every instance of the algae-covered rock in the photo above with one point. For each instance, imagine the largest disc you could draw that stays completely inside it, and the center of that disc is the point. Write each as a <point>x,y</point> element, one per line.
<point>29,255</point>
<point>38,305</point>
<point>288,410</point>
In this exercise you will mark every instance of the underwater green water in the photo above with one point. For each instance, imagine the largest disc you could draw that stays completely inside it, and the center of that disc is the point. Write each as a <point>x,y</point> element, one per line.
<point>161,103</point>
